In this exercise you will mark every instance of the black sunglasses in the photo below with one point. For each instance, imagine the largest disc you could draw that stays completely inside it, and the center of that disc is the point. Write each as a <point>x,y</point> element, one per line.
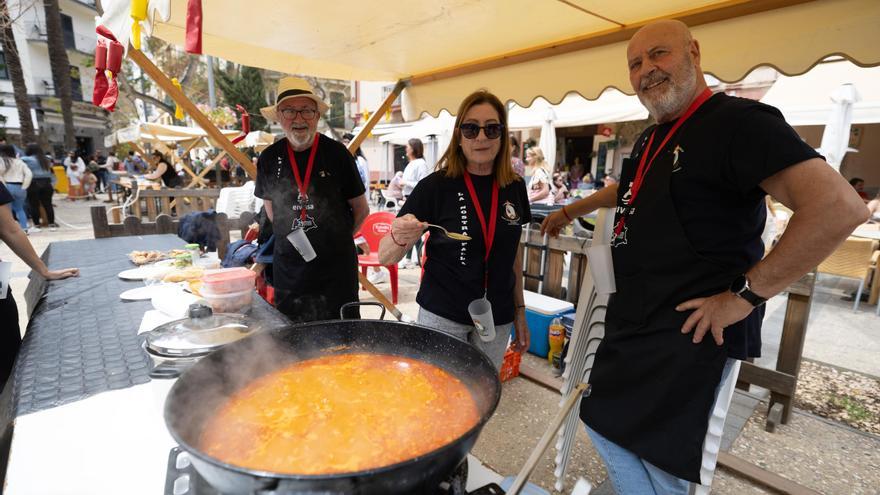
<point>471,131</point>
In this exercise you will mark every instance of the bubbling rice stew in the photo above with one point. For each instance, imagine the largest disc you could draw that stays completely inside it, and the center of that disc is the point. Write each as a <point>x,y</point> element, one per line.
<point>340,413</point>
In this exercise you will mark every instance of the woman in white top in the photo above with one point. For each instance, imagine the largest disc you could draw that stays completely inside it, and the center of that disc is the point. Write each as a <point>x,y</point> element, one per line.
<point>539,183</point>
<point>417,168</point>
<point>17,177</point>
<point>75,167</point>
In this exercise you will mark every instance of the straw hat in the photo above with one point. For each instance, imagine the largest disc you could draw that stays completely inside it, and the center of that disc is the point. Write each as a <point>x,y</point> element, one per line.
<point>291,87</point>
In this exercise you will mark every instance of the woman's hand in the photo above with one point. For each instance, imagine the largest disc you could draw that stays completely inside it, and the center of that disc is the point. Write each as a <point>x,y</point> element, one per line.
<point>61,274</point>
<point>521,341</point>
<point>554,223</point>
<point>407,229</point>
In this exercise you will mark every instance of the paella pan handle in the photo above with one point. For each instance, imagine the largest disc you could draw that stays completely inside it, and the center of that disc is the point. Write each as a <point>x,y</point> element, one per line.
<point>359,304</point>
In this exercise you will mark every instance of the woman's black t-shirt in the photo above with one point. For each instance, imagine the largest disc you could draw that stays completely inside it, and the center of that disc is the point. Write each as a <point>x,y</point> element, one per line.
<point>454,269</point>
<point>170,177</point>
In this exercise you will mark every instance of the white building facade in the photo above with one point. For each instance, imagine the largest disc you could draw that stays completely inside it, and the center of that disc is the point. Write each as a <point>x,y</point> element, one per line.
<point>91,123</point>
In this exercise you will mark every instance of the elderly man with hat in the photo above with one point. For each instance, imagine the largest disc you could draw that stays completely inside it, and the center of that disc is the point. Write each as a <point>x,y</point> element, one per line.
<point>310,185</point>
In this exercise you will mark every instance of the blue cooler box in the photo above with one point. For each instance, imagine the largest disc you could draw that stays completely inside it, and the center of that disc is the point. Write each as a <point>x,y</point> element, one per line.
<point>540,311</point>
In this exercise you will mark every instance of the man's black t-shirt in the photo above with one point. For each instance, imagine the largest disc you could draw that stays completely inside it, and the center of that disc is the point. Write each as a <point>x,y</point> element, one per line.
<point>454,270</point>
<point>719,158</point>
<point>329,223</point>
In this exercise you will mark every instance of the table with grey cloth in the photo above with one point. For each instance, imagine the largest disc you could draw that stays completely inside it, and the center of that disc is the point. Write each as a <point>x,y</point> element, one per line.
<point>82,339</point>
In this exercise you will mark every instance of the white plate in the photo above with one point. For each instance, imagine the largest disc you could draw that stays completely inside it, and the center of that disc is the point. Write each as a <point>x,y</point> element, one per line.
<point>138,294</point>
<point>145,271</point>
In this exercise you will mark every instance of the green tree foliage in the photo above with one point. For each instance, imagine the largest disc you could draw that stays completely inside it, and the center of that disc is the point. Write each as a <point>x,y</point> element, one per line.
<point>244,87</point>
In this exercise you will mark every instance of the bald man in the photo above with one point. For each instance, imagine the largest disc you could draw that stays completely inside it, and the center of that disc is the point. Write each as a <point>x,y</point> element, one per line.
<point>687,252</point>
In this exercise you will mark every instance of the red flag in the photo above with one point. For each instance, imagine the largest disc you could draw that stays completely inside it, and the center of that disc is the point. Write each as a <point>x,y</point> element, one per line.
<point>193,42</point>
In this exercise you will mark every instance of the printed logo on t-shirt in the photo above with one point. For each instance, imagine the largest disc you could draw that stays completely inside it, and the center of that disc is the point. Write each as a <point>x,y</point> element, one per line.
<point>462,210</point>
<point>675,156</point>
<point>307,224</point>
<point>510,214</point>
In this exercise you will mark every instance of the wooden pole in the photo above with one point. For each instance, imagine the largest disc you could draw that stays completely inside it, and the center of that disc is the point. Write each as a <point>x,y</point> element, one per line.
<point>177,95</point>
<point>376,117</point>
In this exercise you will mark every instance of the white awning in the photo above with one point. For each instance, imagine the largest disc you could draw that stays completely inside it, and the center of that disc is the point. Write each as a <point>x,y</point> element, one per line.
<point>574,110</point>
<point>806,99</point>
<point>519,49</point>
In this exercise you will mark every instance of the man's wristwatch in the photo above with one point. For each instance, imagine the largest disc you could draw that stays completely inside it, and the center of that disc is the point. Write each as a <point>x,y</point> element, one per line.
<point>740,287</point>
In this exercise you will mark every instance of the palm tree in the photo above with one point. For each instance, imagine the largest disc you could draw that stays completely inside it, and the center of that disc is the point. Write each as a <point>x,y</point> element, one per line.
<point>13,66</point>
<point>60,69</point>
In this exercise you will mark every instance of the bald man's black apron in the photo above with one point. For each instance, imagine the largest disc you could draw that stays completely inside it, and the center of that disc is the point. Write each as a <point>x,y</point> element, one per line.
<point>652,388</point>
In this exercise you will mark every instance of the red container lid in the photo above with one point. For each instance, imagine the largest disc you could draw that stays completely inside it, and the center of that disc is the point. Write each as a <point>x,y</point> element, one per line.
<point>229,275</point>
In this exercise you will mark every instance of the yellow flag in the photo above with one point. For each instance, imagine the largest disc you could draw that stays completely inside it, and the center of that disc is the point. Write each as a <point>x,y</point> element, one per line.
<point>138,14</point>
<point>178,110</point>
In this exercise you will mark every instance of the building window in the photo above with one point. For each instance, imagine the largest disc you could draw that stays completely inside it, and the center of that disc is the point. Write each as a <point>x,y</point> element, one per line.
<point>337,109</point>
<point>67,32</point>
<point>4,71</point>
<point>75,84</point>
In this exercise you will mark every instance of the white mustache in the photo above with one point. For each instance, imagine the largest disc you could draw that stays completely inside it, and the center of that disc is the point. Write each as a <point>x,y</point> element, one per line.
<point>652,78</point>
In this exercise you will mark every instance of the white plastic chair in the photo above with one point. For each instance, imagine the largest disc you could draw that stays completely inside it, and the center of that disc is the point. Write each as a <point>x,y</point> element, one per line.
<point>235,200</point>
<point>712,441</point>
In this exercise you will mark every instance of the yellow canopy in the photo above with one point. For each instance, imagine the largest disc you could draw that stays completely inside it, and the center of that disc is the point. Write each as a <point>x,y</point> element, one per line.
<point>519,49</point>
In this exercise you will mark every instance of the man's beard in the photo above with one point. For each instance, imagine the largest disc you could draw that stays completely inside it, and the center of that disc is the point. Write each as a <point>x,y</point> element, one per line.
<point>299,143</point>
<point>671,102</point>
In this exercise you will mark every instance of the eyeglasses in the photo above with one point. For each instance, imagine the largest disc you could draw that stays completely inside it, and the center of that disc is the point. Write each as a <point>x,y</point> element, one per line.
<point>471,131</point>
<point>291,113</point>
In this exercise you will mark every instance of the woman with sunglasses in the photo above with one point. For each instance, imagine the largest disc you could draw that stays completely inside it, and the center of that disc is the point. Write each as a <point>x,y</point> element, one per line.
<point>474,192</point>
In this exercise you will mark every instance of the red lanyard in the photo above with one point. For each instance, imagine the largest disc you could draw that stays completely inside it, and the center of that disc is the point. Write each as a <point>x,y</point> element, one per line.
<point>642,171</point>
<point>303,185</point>
<point>488,231</point>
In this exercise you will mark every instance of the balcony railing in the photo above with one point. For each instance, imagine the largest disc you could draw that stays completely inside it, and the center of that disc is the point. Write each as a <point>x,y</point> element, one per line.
<point>84,43</point>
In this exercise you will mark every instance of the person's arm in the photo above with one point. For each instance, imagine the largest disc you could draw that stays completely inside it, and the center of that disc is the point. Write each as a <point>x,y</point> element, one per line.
<point>18,242</point>
<point>542,193</point>
<point>160,169</point>
<point>405,231</point>
<point>522,338</point>
<point>267,204</point>
<point>28,175</point>
<point>825,209</point>
<point>359,209</point>
<point>604,198</point>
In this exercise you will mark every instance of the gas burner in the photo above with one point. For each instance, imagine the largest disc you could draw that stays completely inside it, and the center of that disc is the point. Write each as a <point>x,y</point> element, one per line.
<point>183,479</point>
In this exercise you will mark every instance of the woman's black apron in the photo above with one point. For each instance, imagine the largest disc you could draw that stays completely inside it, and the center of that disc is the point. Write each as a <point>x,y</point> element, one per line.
<point>652,387</point>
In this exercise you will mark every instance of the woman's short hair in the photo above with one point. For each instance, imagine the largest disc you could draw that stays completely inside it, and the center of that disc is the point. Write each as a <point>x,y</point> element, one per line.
<point>454,163</point>
<point>418,149</point>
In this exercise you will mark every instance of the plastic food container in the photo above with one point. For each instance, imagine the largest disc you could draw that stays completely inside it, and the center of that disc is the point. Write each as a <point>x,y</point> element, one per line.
<point>231,302</point>
<point>228,280</point>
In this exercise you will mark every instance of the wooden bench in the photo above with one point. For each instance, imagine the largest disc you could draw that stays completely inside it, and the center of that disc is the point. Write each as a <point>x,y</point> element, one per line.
<point>165,224</point>
<point>151,203</point>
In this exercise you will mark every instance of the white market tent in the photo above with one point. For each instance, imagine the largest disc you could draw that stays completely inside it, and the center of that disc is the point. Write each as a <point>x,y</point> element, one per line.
<point>575,110</point>
<point>161,134</point>
<point>806,99</point>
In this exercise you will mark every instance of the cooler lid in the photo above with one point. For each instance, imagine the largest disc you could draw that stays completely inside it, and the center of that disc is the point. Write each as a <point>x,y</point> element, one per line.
<point>546,305</point>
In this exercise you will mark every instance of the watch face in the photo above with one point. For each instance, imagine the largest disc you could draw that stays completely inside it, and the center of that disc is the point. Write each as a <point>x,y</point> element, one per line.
<point>738,284</point>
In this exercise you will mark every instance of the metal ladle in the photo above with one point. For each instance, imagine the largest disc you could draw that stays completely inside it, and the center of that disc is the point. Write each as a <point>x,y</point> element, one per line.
<point>452,235</point>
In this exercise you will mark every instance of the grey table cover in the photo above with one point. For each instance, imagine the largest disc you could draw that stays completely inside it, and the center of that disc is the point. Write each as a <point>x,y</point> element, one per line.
<point>82,339</point>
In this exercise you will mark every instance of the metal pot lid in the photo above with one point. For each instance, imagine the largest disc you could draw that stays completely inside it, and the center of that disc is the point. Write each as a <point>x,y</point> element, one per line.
<point>199,334</point>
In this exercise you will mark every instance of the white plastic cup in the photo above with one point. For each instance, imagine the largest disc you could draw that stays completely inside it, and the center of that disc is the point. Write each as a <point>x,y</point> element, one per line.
<point>300,241</point>
<point>602,268</point>
<point>481,313</point>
